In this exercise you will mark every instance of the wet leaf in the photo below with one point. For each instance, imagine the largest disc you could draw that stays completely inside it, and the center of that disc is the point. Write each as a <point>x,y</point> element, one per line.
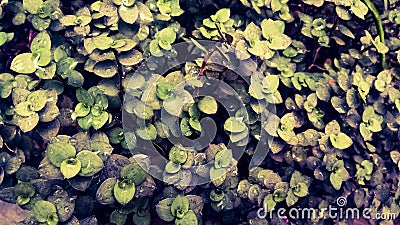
<point>124,191</point>
<point>45,211</point>
<point>189,219</point>
<point>208,105</point>
<point>91,163</point>
<point>134,173</point>
<point>70,168</point>
<point>32,6</point>
<point>128,14</point>
<point>340,141</point>
<point>59,151</point>
<point>178,155</point>
<point>163,209</point>
<point>234,124</point>
<point>23,63</point>
<point>105,69</point>
<point>180,206</point>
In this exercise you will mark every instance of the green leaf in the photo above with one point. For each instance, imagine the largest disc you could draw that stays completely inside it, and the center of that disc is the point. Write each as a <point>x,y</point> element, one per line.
<point>104,194</point>
<point>91,163</point>
<point>296,178</point>
<point>81,110</point>
<point>346,31</point>
<point>100,120</point>
<point>280,42</point>
<point>252,32</point>
<point>23,200</point>
<point>272,28</point>
<point>142,111</point>
<point>234,124</point>
<point>44,210</point>
<point>147,133</point>
<point>270,84</point>
<point>340,141</point>
<point>167,34</point>
<point>165,44</point>
<point>209,23</point>
<point>24,109</point>
<point>257,49</point>
<point>291,199</point>
<point>130,58</point>
<point>23,63</point>
<point>368,165</point>
<point>24,189</point>
<point>41,41</point>
<point>83,20</point>
<point>65,65</point>
<point>172,167</point>
<point>118,217</point>
<point>359,9</point>
<point>208,105</point>
<point>128,2</point>
<point>223,158</point>
<point>85,122</point>
<point>68,20</point>
<point>124,191</point>
<point>217,175</point>
<point>47,72</point>
<point>336,180</point>
<point>194,111</point>
<point>217,195</point>
<point>70,168</point>
<point>365,132</point>
<point>3,38</point>
<point>185,127</point>
<point>332,127</point>
<point>105,69</point>
<point>134,173</point>
<point>37,99</point>
<point>44,57</point>
<point>32,6</point>
<point>60,151</point>
<point>163,89</point>
<point>103,42</point>
<point>279,195</point>
<point>300,190</point>
<point>189,218</point>
<point>163,209</point>
<point>154,48</point>
<point>27,124</point>
<point>145,15</point>
<point>40,23</point>
<point>164,7</point>
<point>176,101</point>
<point>274,98</point>
<point>222,15</point>
<point>269,203</point>
<point>75,78</point>
<point>195,123</point>
<point>19,95</point>
<point>84,97</point>
<point>179,207</point>
<point>178,155</point>
<point>128,14</point>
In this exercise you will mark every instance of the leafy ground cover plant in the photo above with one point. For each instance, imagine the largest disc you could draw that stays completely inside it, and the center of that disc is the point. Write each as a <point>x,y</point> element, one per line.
<point>316,81</point>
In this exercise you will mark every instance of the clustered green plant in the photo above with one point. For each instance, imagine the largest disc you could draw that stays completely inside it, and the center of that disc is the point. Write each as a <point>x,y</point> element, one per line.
<point>316,81</point>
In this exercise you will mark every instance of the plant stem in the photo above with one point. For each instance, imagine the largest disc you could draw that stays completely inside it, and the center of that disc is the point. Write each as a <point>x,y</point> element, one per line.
<point>379,25</point>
